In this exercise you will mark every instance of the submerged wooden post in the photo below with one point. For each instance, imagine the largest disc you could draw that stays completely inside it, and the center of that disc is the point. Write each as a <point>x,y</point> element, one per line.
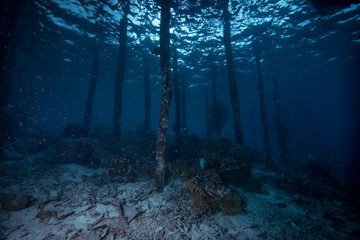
<point>183,106</point>
<point>262,107</point>
<point>234,95</point>
<point>147,96</point>
<point>93,81</point>
<point>120,70</point>
<point>215,103</point>
<point>167,90</point>
<point>10,11</point>
<point>282,133</point>
<point>208,115</point>
<point>177,127</point>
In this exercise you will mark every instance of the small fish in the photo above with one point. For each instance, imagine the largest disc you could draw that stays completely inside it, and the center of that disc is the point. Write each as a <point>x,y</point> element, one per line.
<point>202,163</point>
<point>244,164</point>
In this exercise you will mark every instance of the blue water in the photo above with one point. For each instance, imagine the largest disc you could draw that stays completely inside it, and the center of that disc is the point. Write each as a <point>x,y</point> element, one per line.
<point>312,46</point>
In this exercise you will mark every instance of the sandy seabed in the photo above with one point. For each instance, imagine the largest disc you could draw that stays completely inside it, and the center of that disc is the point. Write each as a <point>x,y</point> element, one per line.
<point>77,202</point>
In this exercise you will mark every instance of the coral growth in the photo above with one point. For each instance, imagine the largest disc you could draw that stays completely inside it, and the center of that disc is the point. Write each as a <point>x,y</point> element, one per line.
<point>230,161</point>
<point>218,113</point>
<point>206,201</point>
<point>118,166</point>
<point>132,152</point>
<point>85,151</point>
<point>310,179</point>
<point>74,130</point>
<point>230,202</point>
<point>185,146</point>
<point>102,133</point>
<point>123,167</point>
<point>179,168</point>
<point>214,198</point>
<point>17,117</point>
<point>206,191</point>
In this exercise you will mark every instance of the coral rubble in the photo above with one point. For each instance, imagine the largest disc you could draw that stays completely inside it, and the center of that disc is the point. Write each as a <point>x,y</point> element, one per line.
<point>16,202</point>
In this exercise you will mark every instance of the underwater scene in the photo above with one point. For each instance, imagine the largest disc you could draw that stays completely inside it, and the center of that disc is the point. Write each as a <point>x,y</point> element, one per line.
<point>180,119</point>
